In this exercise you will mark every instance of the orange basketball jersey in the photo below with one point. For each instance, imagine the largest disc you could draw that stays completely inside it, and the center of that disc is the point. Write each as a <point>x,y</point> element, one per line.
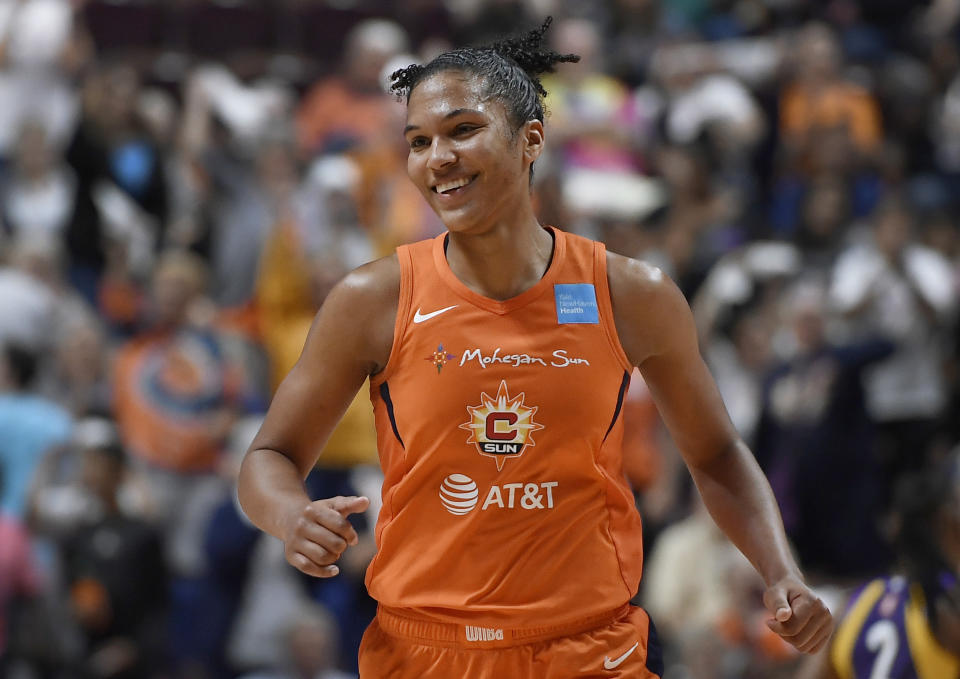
<point>500,431</point>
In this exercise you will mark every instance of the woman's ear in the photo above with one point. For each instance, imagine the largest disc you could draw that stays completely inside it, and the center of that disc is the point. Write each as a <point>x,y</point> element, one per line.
<point>532,140</point>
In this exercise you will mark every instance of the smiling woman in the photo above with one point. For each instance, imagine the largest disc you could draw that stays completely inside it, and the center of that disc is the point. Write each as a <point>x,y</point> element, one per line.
<point>507,522</point>
<point>475,127</point>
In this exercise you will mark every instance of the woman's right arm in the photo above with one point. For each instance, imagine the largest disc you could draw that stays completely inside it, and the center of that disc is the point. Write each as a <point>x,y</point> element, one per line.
<point>349,340</point>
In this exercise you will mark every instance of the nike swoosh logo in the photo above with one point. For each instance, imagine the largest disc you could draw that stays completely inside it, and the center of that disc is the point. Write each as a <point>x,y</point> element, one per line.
<point>420,318</point>
<point>614,664</point>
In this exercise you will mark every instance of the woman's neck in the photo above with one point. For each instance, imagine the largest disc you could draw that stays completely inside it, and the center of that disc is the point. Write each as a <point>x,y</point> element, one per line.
<point>502,262</point>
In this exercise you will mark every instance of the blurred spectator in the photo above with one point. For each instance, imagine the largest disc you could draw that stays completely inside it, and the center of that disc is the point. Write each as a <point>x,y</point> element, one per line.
<point>892,286</point>
<point>312,642</point>
<point>907,94</point>
<point>291,285</point>
<point>122,194</point>
<point>39,192</point>
<point>382,200</point>
<point>703,595</point>
<point>637,26</point>
<point>40,49</point>
<point>697,218</point>
<point>705,100</point>
<point>178,388</point>
<point>594,126</point>
<point>28,307</point>
<point>947,128</point>
<point>41,258</point>
<point>481,21</point>
<point>19,577</point>
<point>59,501</point>
<point>824,221</point>
<point>738,362</point>
<point>113,567</point>
<point>820,97</point>
<point>208,604</point>
<point>243,220</point>
<point>174,391</point>
<point>79,379</point>
<point>738,320</point>
<point>271,596</point>
<point>237,176</point>
<point>327,220</point>
<point>816,443</point>
<point>348,109</point>
<point>31,426</point>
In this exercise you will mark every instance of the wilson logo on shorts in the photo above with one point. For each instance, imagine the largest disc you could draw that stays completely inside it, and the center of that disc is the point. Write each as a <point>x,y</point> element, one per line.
<point>501,427</point>
<point>459,494</point>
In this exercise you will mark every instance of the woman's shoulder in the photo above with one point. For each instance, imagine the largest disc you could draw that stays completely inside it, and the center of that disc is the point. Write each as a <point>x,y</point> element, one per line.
<point>633,277</point>
<point>377,280</point>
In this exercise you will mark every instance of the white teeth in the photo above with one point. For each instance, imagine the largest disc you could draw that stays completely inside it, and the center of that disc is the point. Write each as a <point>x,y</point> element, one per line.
<point>455,184</point>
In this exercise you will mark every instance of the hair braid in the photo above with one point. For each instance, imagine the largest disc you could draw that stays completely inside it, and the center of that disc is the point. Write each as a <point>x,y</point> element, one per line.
<point>510,68</point>
<point>526,51</point>
<point>402,80</point>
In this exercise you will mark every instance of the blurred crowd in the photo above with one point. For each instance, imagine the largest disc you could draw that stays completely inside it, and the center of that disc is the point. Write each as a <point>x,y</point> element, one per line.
<point>182,182</point>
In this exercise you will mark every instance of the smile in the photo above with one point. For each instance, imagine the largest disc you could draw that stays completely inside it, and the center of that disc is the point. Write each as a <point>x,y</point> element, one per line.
<point>453,185</point>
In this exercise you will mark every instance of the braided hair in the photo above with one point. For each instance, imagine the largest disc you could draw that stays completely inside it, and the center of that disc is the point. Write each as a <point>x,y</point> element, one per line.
<point>919,500</point>
<point>510,69</point>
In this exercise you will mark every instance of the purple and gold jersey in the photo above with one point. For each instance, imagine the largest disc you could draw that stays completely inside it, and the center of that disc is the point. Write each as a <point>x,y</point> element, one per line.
<point>885,634</point>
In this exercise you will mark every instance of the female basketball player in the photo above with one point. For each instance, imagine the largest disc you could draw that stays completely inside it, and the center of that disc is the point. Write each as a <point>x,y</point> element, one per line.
<point>908,626</point>
<point>499,354</point>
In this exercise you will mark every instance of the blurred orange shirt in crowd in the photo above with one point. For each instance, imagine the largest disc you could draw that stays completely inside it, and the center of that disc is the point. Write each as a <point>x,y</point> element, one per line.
<point>332,113</point>
<point>835,105</point>
<point>172,392</point>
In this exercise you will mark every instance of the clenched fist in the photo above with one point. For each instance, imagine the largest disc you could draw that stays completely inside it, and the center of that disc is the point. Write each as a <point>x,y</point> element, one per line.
<point>799,616</point>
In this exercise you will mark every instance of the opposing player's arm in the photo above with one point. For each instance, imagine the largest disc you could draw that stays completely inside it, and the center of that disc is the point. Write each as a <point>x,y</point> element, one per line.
<point>658,334</point>
<point>349,340</point>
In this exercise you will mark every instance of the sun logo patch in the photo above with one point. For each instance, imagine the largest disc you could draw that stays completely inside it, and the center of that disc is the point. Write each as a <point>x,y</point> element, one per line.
<point>501,426</point>
<point>439,358</point>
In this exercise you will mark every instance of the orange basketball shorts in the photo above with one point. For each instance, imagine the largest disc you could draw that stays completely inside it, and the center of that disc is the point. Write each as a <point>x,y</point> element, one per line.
<point>621,644</point>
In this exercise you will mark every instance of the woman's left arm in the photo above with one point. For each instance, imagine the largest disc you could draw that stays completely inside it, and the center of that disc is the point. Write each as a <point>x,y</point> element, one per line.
<point>658,334</point>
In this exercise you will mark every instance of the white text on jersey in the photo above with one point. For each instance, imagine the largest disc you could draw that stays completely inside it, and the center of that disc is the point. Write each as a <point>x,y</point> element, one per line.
<point>559,359</point>
<point>532,495</point>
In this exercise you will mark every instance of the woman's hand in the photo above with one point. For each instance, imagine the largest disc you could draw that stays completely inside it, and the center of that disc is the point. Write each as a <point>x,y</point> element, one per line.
<point>799,616</point>
<point>317,536</point>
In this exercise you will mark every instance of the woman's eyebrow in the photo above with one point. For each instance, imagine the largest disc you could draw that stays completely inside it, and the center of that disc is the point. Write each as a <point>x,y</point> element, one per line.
<point>452,114</point>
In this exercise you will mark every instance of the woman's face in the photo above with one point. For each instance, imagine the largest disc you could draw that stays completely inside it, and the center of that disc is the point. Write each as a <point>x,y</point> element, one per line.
<point>464,155</point>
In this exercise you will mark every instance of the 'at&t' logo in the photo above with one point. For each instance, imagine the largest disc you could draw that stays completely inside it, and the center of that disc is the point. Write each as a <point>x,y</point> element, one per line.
<point>501,426</point>
<point>459,495</point>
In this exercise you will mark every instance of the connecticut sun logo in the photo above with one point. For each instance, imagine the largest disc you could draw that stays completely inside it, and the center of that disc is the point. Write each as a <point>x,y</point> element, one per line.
<point>501,426</point>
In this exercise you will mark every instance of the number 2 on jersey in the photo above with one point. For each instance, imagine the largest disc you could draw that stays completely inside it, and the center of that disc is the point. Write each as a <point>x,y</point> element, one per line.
<point>883,639</point>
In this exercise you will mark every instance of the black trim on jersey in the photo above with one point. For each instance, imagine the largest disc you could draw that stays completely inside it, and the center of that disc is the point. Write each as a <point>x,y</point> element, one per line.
<point>616,413</point>
<point>385,395</point>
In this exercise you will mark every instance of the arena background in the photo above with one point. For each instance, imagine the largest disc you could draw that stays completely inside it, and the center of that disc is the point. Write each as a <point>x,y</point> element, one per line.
<point>183,181</point>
